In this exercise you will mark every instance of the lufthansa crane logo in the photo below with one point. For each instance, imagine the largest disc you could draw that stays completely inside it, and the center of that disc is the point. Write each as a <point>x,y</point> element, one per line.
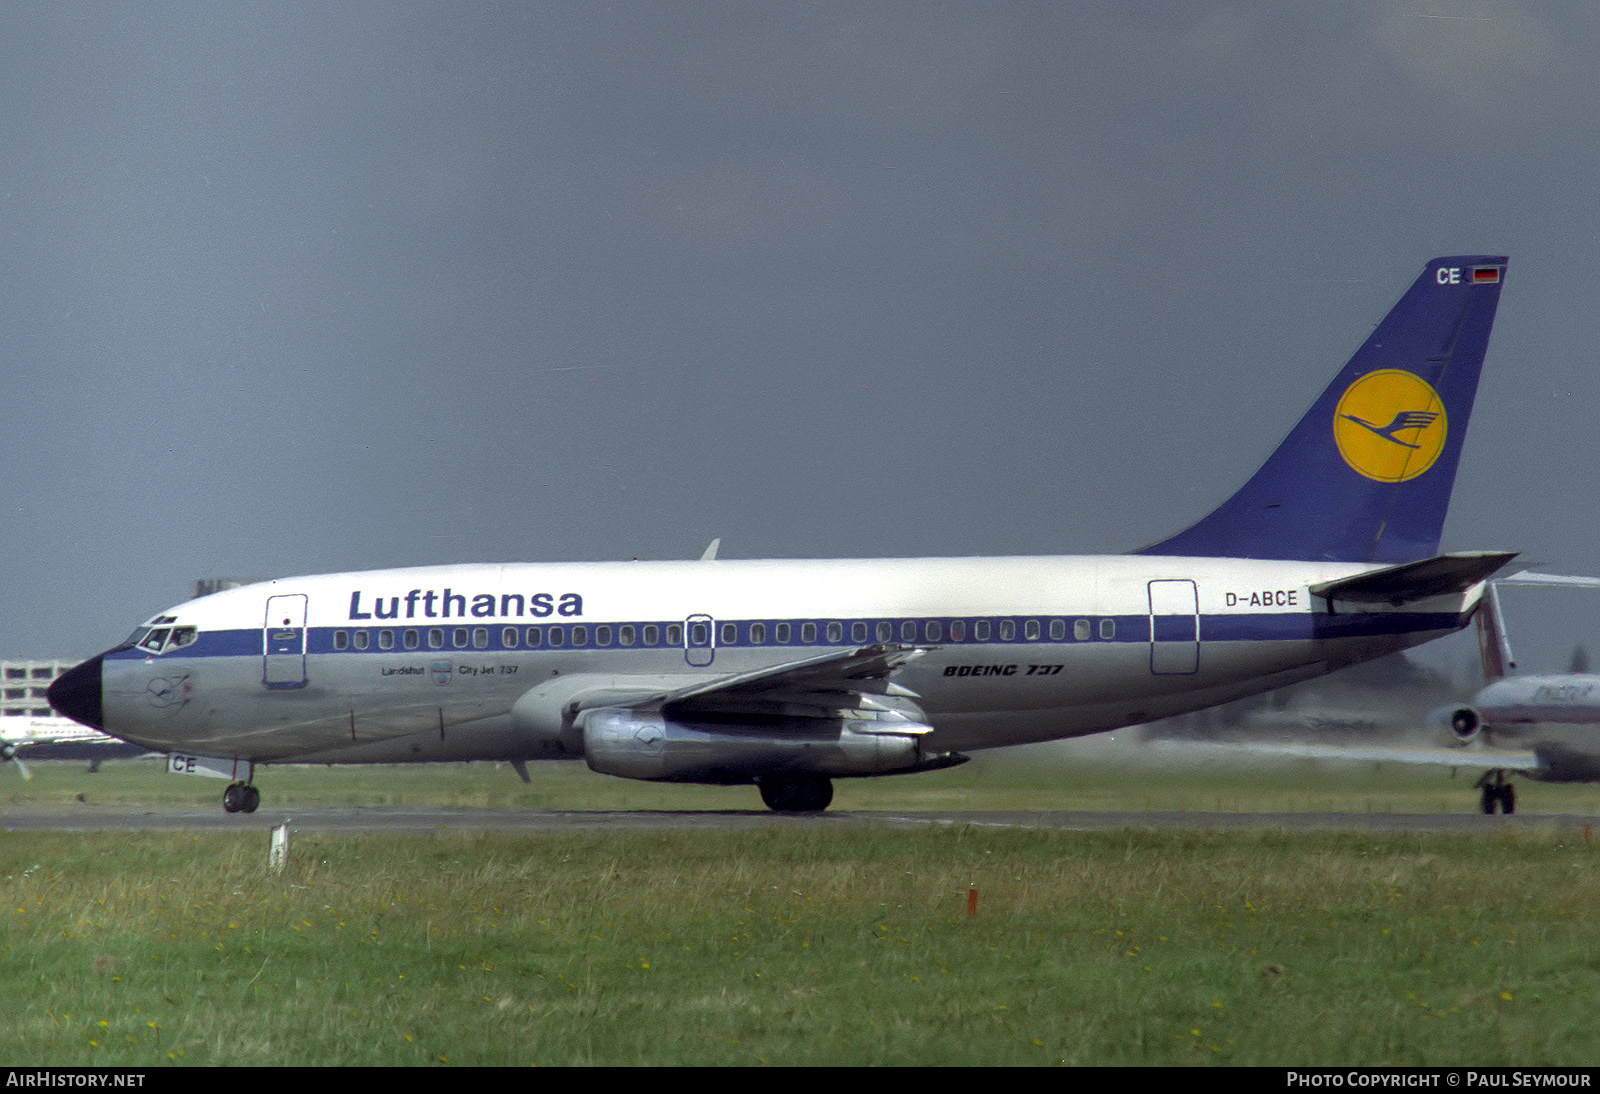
<point>1390,425</point>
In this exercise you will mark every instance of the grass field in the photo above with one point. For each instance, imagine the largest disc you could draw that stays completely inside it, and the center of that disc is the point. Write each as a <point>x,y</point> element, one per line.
<point>1094,774</point>
<point>822,944</point>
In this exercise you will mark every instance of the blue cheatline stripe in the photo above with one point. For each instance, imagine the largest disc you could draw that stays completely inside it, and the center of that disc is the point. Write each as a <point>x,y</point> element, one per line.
<point>1014,630</point>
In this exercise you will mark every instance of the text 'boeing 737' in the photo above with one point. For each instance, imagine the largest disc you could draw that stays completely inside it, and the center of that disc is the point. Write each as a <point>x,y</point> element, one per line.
<point>789,674</point>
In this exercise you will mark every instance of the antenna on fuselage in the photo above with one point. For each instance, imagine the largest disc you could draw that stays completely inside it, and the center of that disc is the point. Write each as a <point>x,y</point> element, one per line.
<point>710,553</point>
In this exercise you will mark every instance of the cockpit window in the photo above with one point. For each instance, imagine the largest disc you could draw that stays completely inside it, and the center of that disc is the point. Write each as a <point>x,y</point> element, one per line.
<point>157,639</point>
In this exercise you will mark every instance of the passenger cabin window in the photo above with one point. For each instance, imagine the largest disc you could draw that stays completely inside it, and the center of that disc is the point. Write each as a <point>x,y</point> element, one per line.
<point>652,635</point>
<point>934,631</point>
<point>386,640</point>
<point>480,638</point>
<point>1058,629</point>
<point>602,636</point>
<point>858,632</point>
<point>782,633</point>
<point>508,638</point>
<point>980,631</point>
<point>580,636</point>
<point>535,635</point>
<point>435,638</point>
<point>808,632</point>
<point>1108,629</point>
<point>958,630</point>
<point>908,631</point>
<point>458,638</point>
<point>1080,630</point>
<point>359,640</point>
<point>835,632</point>
<point>675,634</point>
<point>410,638</point>
<point>1030,630</point>
<point>341,640</point>
<point>885,631</point>
<point>758,634</point>
<point>1008,630</point>
<point>730,633</point>
<point>625,635</point>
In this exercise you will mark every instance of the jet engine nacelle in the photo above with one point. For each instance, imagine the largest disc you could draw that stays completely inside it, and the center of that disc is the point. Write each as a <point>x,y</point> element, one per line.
<point>1465,724</point>
<point>638,745</point>
<point>548,712</point>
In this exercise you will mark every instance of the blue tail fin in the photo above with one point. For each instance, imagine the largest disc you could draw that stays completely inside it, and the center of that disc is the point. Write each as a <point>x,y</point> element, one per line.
<point>1366,474</point>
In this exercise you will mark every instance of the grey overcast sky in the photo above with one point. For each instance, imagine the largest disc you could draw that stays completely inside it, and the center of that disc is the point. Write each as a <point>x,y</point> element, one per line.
<point>297,287</point>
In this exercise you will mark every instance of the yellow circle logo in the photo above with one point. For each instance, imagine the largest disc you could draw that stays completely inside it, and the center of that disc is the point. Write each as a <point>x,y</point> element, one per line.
<point>1390,425</point>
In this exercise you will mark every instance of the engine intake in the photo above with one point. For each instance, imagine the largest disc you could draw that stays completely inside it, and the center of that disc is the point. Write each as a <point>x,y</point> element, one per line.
<point>1465,724</point>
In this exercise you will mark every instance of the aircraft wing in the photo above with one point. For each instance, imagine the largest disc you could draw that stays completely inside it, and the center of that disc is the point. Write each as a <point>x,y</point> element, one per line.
<point>1487,759</point>
<point>850,684</point>
<point>858,671</point>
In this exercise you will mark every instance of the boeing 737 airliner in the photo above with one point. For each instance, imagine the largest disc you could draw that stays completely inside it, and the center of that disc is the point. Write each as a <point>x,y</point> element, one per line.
<point>789,674</point>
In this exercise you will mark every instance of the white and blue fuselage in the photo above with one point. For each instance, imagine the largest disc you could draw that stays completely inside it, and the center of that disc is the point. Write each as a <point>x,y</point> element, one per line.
<point>428,663</point>
<point>791,673</point>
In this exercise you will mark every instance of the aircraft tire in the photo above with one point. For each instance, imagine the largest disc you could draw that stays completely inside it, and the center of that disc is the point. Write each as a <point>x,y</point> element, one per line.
<point>233,798</point>
<point>1508,799</point>
<point>252,800</point>
<point>796,793</point>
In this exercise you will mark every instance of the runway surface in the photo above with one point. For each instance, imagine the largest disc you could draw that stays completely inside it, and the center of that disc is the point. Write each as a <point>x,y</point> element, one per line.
<point>418,821</point>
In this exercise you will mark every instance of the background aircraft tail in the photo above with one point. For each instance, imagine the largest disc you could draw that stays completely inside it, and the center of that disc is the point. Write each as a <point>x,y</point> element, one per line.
<point>1366,475</point>
<point>1494,649</point>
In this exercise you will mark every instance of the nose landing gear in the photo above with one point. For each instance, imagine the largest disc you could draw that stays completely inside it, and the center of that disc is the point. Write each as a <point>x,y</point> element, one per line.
<point>241,798</point>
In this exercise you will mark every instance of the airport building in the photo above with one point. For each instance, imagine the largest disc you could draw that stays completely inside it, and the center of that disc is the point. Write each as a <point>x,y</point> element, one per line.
<point>25,684</point>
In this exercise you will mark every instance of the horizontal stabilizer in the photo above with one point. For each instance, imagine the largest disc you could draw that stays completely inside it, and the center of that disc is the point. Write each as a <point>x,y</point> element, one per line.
<point>1413,581</point>
<point>1558,581</point>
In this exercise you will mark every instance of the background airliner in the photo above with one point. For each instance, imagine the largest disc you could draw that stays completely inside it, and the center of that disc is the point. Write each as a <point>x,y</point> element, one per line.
<point>791,673</point>
<point>1545,726</point>
<point>50,738</point>
<point>1554,720</point>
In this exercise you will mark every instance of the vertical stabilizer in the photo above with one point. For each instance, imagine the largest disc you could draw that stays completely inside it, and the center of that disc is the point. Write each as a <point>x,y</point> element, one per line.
<point>1366,475</point>
<point>1493,646</point>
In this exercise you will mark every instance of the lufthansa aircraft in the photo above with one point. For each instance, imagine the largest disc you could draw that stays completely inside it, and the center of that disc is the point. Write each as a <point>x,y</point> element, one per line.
<point>789,674</point>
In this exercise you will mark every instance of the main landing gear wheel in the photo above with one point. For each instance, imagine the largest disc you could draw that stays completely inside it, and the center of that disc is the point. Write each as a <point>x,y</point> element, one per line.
<point>241,798</point>
<point>1497,793</point>
<point>796,793</point>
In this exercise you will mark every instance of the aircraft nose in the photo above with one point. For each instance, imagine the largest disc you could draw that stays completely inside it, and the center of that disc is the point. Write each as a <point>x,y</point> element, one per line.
<point>76,693</point>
